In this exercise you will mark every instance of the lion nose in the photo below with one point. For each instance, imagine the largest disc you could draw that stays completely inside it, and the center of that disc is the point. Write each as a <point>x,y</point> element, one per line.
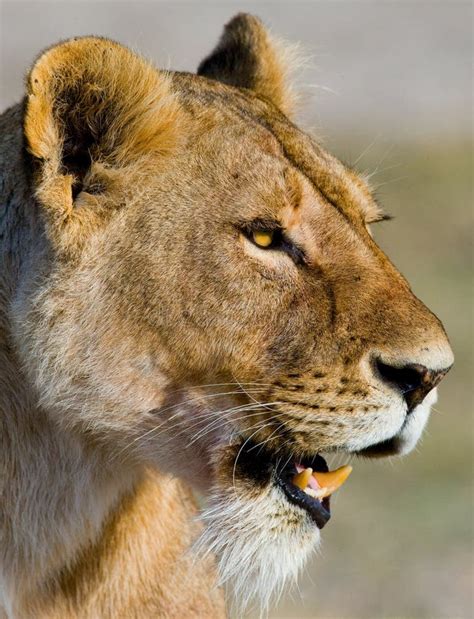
<point>413,380</point>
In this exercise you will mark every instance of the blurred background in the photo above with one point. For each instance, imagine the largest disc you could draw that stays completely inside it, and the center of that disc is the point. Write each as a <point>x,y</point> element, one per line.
<point>388,87</point>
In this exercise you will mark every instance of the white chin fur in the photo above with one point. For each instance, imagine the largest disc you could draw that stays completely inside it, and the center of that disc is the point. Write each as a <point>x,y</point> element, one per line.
<point>416,422</point>
<point>261,543</point>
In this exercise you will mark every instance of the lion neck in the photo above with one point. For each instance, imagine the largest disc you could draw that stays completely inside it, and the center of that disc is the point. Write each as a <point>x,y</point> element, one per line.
<point>80,540</point>
<point>57,492</point>
<point>79,536</point>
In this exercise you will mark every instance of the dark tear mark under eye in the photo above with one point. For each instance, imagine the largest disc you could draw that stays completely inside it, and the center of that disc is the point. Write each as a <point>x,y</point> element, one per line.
<point>280,240</point>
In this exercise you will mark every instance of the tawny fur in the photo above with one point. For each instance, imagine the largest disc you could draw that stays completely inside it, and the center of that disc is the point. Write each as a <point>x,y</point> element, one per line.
<point>144,338</point>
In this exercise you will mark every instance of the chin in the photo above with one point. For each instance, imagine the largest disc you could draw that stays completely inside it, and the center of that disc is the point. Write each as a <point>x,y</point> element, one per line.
<point>260,526</point>
<point>261,543</point>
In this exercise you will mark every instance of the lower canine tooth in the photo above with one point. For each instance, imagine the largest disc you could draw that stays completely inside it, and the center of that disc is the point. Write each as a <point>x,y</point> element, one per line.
<point>316,494</point>
<point>301,479</point>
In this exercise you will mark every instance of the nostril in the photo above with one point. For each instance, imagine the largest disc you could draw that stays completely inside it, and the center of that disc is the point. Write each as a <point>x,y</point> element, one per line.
<point>407,378</point>
<point>413,380</point>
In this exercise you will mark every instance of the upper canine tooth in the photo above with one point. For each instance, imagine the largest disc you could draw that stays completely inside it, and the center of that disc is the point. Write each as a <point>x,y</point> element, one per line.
<point>332,480</point>
<point>302,479</point>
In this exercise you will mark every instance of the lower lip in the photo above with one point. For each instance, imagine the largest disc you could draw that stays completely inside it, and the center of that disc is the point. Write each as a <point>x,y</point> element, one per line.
<point>318,511</point>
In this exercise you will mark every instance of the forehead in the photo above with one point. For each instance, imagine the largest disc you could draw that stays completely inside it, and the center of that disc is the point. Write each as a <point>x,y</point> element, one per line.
<point>249,127</point>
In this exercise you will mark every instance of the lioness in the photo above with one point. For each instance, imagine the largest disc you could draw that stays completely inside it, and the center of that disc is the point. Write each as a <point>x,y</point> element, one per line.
<point>190,299</point>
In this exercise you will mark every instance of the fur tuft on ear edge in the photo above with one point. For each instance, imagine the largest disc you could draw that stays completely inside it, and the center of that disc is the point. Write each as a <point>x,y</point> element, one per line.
<point>248,57</point>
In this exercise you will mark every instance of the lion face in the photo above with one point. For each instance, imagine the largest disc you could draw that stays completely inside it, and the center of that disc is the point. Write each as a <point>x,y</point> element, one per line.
<point>210,292</point>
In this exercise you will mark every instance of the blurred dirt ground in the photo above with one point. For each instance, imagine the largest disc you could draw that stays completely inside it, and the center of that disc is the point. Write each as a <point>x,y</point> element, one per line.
<point>393,85</point>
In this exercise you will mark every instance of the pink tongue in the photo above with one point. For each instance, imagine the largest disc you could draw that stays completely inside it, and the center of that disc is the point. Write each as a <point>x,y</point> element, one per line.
<point>312,480</point>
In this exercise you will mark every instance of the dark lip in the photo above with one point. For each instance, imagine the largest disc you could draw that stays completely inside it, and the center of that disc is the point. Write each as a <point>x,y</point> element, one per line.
<point>263,467</point>
<point>319,511</point>
<point>388,447</point>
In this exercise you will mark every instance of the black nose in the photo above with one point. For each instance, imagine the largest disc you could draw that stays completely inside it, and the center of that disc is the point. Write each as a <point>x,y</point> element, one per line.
<point>414,381</point>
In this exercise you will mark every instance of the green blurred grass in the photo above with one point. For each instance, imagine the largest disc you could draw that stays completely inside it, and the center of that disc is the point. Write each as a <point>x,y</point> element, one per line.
<point>399,544</point>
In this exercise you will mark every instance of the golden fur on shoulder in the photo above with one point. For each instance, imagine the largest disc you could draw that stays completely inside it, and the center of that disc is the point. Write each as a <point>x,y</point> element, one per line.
<point>151,346</point>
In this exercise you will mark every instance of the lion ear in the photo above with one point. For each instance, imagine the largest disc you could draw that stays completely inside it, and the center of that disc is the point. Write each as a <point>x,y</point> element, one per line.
<point>95,111</point>
<point>247,57</point>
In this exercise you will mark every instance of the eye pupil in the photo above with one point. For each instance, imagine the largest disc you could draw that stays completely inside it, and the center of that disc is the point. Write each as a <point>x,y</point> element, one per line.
<point>263,238</point>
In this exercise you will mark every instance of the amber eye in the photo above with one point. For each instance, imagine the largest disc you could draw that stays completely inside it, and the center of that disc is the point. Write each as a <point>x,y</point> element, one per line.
<point>270,235</point>
<point>263,238</point>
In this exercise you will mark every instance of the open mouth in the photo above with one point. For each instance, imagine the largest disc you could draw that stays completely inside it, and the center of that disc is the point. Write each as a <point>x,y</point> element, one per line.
<point>310,486</point>
<point>306,482</point>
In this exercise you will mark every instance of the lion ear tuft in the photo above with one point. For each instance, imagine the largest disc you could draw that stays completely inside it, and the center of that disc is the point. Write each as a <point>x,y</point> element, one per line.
<point>93,105</point>
<point>248,57</point>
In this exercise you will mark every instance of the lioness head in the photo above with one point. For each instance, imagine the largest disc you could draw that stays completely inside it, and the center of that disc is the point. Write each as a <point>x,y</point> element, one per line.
<point>207,297</point>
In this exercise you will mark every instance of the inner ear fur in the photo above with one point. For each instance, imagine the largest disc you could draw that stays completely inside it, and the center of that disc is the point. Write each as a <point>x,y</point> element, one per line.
<point>94,110</point>
<point>246,56</point>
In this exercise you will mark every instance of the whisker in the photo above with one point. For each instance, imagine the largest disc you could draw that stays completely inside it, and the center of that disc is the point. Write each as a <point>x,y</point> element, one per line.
<point>238,455</point>
<point>207,385</point>
<point>290,457</point>
<point>180,406</point>
<point>245,391</point>
<point>262,443</point>
<point>251,407</point>
<point>198,419</point>
<point>366,150</point>
<point>382,159</point>
<point>389,182</point>
<point>369,175</point>
<point>205,413</point>
<point>226,419</point>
